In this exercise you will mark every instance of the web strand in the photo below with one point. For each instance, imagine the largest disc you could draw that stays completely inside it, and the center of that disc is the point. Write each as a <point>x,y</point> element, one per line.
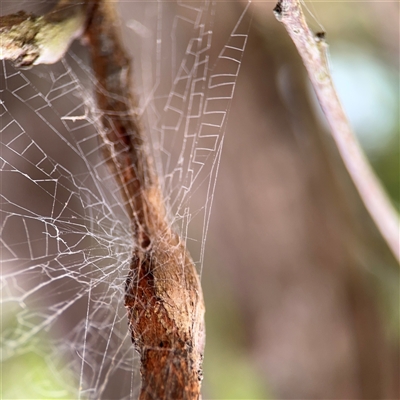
<point>66,232</point>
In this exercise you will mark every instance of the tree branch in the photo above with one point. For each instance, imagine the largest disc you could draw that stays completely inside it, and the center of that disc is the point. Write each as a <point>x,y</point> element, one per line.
<point>312,50</point>
<point>163,295</point>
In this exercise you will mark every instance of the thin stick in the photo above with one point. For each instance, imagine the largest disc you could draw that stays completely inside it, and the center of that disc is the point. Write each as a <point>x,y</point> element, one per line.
<point>163,297</point>
<point>313,53</point>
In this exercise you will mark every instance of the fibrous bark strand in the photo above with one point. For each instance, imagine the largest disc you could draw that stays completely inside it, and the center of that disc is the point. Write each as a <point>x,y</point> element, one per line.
<point>163,295</point>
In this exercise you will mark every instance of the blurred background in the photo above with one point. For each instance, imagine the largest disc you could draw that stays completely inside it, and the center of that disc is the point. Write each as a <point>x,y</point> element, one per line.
<point>302,293</point>
<point>302,296</point>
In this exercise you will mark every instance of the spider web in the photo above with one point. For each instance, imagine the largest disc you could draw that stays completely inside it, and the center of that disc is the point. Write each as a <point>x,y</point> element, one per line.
<point>65,239</point>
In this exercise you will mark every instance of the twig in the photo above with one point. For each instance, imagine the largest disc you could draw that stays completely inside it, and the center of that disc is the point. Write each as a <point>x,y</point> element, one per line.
<point>312,50</point>
<point>163,297</point>
<point>29,40</point>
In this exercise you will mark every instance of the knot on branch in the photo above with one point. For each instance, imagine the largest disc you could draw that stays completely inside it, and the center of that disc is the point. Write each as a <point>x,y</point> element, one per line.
<point>165,313</point>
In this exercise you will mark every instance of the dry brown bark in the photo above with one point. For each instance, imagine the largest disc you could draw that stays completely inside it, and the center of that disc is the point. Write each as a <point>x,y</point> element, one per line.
<point>163,293</point>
